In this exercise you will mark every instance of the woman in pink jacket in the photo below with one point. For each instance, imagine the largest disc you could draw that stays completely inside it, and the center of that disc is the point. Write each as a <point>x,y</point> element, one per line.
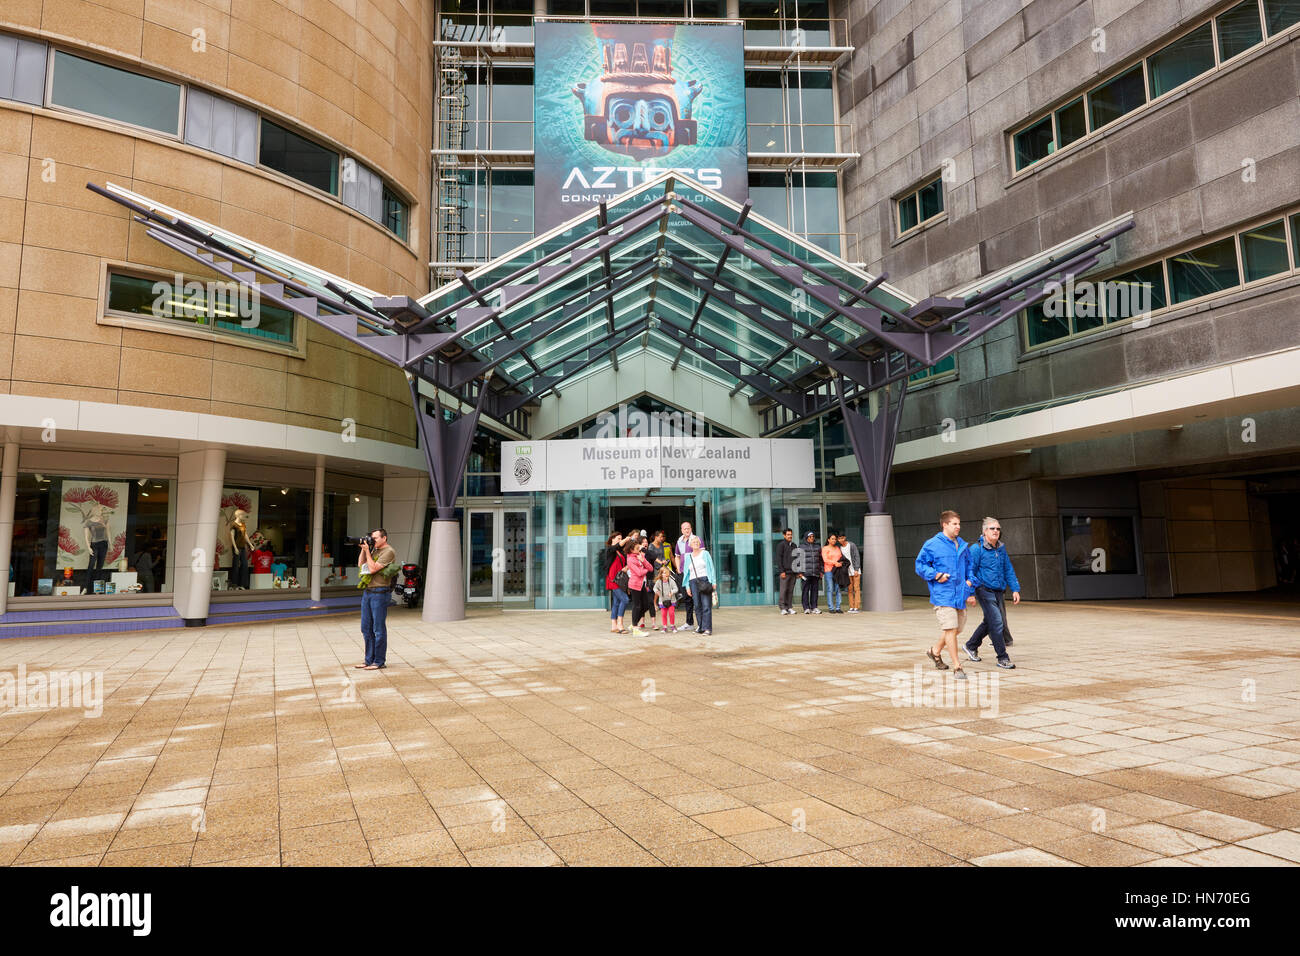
<point>637,569</point>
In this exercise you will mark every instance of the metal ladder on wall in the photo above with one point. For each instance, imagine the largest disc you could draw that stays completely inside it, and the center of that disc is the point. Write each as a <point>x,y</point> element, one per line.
<point>451,185</point>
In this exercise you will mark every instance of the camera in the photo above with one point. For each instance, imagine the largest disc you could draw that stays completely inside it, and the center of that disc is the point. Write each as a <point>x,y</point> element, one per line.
<point>367,540</point>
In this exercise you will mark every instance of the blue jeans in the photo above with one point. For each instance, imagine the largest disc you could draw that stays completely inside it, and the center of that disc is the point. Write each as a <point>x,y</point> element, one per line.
<point>703,607</point>
<point>374,624</point>
<point>619,605</point>
<point>994,623</point>
<point>832,590</point>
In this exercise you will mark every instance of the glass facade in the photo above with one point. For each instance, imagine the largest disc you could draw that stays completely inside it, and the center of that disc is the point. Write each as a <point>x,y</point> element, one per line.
<point>566,531</point>
<point>483,186</point>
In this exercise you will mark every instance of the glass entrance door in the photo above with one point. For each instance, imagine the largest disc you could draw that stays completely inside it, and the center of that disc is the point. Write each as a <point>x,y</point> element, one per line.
<point>800,518</point>
<point>497,557</point>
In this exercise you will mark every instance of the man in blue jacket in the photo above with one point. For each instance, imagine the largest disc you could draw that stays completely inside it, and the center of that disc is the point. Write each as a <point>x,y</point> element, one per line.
<point>944,563</point>
<point>991,573</point>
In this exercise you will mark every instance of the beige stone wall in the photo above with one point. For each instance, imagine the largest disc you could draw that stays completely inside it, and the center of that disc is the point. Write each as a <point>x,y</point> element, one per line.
<point>355,73</point>
<point>1219,537</point>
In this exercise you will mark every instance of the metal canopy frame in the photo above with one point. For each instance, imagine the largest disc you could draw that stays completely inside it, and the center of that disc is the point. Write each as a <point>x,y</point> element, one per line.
<point>670,259</point>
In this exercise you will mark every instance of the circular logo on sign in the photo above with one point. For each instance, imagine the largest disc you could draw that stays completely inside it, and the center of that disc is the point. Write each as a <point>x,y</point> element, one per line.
<point>523,470</point>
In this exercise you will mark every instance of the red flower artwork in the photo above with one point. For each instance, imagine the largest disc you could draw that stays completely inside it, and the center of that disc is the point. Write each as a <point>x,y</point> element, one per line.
<point>237,500</point>
<point>67,542</point>
<point>115,552</point>
<point>95,494</point>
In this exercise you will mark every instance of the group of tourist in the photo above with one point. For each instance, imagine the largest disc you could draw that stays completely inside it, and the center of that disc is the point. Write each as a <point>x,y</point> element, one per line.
<point>835,564</point>
<point>649,581</point>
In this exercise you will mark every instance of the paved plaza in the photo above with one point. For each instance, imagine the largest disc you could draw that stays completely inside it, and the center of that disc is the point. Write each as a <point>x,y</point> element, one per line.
<point>1145,734</point>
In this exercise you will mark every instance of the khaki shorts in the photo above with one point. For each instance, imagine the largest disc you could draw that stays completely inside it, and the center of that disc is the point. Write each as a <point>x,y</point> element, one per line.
<point>951,617</point>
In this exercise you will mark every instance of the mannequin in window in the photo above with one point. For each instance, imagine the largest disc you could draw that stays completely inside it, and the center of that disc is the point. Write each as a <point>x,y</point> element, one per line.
<point>95,529</point>
<point>238,534</point>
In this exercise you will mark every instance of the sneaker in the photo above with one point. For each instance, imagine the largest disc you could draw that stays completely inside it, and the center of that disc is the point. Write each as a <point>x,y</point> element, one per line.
<point>817,610</point>
<point>706,633</point>
<point>959,674</point>
<point>638,632</point>
<point>971,654</point>
<point>807,611</point>
<point>1006,663</point>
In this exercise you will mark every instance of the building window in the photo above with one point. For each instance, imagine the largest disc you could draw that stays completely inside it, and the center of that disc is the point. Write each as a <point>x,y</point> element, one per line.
<point>395,213</point>
<point>1181,61</point>
<point>801,108</point>
<point>1114,536</point>
<point>1034,142</point>
<point>944,368</point>
<point>1203,271</point>
<point>22,70</point>
<point>1280,14</point>
<point>1071,123</point>
<point>286,152</point>
<point>84,536</point>
<point>920,206</point>
<point>102,90</point>
<point>1263,251</point>
<point>219,306</point>
<point>1116,97</point>
<point>1239,29</point>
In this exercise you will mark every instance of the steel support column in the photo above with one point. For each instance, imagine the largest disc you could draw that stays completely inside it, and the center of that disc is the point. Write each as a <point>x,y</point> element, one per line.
<point>873,442</point>
<point>446,447</point>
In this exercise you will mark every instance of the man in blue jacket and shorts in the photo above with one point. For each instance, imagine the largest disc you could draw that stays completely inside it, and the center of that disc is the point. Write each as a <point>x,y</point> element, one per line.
<point>944,563</point>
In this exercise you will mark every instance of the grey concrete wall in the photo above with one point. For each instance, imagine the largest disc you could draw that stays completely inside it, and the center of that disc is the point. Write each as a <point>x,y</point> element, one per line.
<point>945,80</point>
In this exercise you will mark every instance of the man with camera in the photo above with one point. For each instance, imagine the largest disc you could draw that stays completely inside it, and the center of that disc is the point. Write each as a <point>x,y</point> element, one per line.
<point>378,564</point>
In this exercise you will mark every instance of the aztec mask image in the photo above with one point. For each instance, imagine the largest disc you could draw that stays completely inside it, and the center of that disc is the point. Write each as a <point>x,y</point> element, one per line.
<point>637,106</point>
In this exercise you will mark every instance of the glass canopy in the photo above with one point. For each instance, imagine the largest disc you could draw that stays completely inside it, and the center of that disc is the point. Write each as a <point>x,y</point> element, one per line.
<point>638,286</point>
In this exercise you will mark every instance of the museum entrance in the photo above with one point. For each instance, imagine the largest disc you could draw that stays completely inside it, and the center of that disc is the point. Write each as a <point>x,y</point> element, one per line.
<point>658,513</point>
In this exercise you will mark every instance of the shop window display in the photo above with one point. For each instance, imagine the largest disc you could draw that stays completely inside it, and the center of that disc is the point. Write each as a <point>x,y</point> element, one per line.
<point>263,539</point>
<point>85,536</point>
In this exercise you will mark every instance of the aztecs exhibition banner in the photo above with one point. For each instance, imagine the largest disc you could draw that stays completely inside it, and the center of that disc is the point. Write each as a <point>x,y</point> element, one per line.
<point>616,104</point>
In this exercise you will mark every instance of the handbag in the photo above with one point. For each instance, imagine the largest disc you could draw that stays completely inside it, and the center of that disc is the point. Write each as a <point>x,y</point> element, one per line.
<point>622,579</point>
<point>702,584</point>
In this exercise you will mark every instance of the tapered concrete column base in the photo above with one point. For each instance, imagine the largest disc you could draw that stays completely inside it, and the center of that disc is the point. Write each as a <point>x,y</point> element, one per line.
<point>444,576</point>
<point>881,590</point>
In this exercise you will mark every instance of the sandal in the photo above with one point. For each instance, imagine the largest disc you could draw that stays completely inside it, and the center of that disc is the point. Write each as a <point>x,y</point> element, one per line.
<point>938,661</point>
<point>625,631</point>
